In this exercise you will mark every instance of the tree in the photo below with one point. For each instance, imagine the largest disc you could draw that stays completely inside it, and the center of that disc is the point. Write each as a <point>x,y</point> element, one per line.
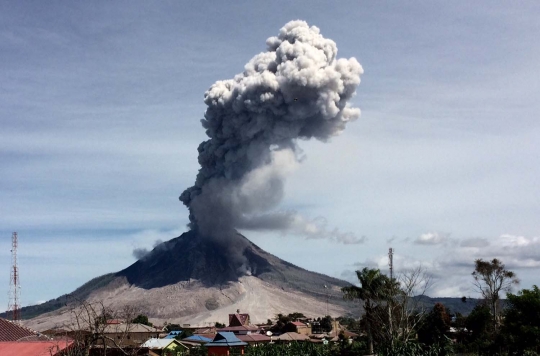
<point>370,292</point>
<point>405,307</point>
<point>326,323</point>
<point>142,319</point>
<point>435,326</point>
<point>490,279</point>
<point>284,322</point>
<point>522,320</point>
<point>88,328</point>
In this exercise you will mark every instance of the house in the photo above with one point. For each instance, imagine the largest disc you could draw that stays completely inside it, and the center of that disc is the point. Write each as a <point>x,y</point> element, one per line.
<point>239,325</point>
<point>238,319</point>
<point>198,339</point>
<point>163,347</point>
<point>241,330</point>
<point>225,343</point>
<point>291,337</point>
<point>254,339</point>
<point>205,331</point>
<point>11,331</point>
<point>36,348</point>
<point>119,335</point>
<point>301,328</point>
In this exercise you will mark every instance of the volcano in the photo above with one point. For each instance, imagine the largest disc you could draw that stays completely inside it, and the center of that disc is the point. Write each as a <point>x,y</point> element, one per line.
<point>190,279</point>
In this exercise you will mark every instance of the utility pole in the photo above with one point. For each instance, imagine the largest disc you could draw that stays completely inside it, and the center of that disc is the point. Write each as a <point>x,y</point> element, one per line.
<point>390,304</point>
<point>326,290</point>
<point>391,262</point>
<point>14,287</point>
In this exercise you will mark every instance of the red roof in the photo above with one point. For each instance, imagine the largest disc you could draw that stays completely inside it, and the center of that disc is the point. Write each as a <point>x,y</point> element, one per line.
<point>33,348</point>
<point>298,323</point>
<point>208,335</point>
<point>238,319</point>
<point>114,321</point>
<point>9,331</point>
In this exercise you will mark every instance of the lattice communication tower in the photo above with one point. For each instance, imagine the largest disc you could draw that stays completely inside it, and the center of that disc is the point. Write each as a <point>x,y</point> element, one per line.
<point>14,306</point>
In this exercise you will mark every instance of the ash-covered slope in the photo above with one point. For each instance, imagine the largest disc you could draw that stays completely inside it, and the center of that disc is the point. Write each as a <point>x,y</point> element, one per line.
<point>196,280</point>
<point>190,257</point>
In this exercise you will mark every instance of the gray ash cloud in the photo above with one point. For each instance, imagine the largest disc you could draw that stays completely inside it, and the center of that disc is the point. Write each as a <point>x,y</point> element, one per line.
<point>296,89</point>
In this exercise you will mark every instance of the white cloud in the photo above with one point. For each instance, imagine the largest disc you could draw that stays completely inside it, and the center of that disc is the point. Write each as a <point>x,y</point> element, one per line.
<point>431,238</point>
<point>451,265</point>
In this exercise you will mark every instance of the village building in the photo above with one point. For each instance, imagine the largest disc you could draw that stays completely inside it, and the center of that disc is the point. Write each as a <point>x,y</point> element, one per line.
<point>291,337</point>
<point>119,335</point>
<point>239,324</point>
<point>163,347</point>
<point>254,339</point>
<point>301,328</point>
<point>225,343</point>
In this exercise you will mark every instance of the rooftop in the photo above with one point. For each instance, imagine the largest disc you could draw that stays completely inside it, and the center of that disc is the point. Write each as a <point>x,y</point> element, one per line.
<point>226,339</point>
<point>10,331</point>
<point>238,319</point>
<point>158,343</point>
<point>33,348</point>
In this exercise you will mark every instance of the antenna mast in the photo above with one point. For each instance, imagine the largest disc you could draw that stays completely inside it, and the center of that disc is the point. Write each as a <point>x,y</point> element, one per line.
<point>391,261</point>
<point>14,287</point>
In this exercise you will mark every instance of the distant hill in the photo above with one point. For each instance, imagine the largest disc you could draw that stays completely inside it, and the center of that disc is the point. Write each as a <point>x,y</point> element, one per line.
<point>453,305</point>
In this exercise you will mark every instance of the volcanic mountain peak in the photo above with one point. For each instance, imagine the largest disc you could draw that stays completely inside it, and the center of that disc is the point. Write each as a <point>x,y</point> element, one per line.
<point>194,279</point>
<point>214,262</point>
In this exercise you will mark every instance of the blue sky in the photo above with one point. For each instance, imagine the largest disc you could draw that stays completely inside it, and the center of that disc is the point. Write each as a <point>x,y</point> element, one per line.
<point>100,106</point>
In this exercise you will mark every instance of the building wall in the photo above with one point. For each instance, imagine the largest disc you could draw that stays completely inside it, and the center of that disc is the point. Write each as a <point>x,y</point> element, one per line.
<point>303,330</point>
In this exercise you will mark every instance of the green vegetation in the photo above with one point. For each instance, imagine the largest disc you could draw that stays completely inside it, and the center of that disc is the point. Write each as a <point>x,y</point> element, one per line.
<point>397,323</point>
<point>521,328</point>
<point>284,322</point>
<point>490,279</point>
<point>142,319</point>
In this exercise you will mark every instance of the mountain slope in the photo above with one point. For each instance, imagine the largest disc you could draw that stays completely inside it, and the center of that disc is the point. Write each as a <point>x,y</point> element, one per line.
<point>192,279</point>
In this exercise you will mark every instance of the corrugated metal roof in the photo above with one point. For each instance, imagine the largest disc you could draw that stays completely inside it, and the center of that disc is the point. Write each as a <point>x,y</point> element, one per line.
<point>197,338</point>
<point>292,337</point>
<point>254,338</point>
<point>33,348</point>
<point>9,331</point>
<point>158,343</point>
<point>132,328</point>
<point>226,339</point>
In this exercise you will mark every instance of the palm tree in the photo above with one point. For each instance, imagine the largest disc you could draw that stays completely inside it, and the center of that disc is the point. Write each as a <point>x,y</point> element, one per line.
<point>370,291</point>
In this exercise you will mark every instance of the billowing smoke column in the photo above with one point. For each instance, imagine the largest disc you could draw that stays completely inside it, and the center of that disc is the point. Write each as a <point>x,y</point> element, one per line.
<point>297,89</point>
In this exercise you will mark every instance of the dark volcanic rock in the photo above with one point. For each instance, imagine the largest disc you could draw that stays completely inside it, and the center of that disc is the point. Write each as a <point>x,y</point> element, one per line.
<point>189,257</point>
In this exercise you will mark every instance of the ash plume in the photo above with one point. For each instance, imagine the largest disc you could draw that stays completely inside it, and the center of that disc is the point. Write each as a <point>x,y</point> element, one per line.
<point>141,252</point>
<point>297,89</point>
